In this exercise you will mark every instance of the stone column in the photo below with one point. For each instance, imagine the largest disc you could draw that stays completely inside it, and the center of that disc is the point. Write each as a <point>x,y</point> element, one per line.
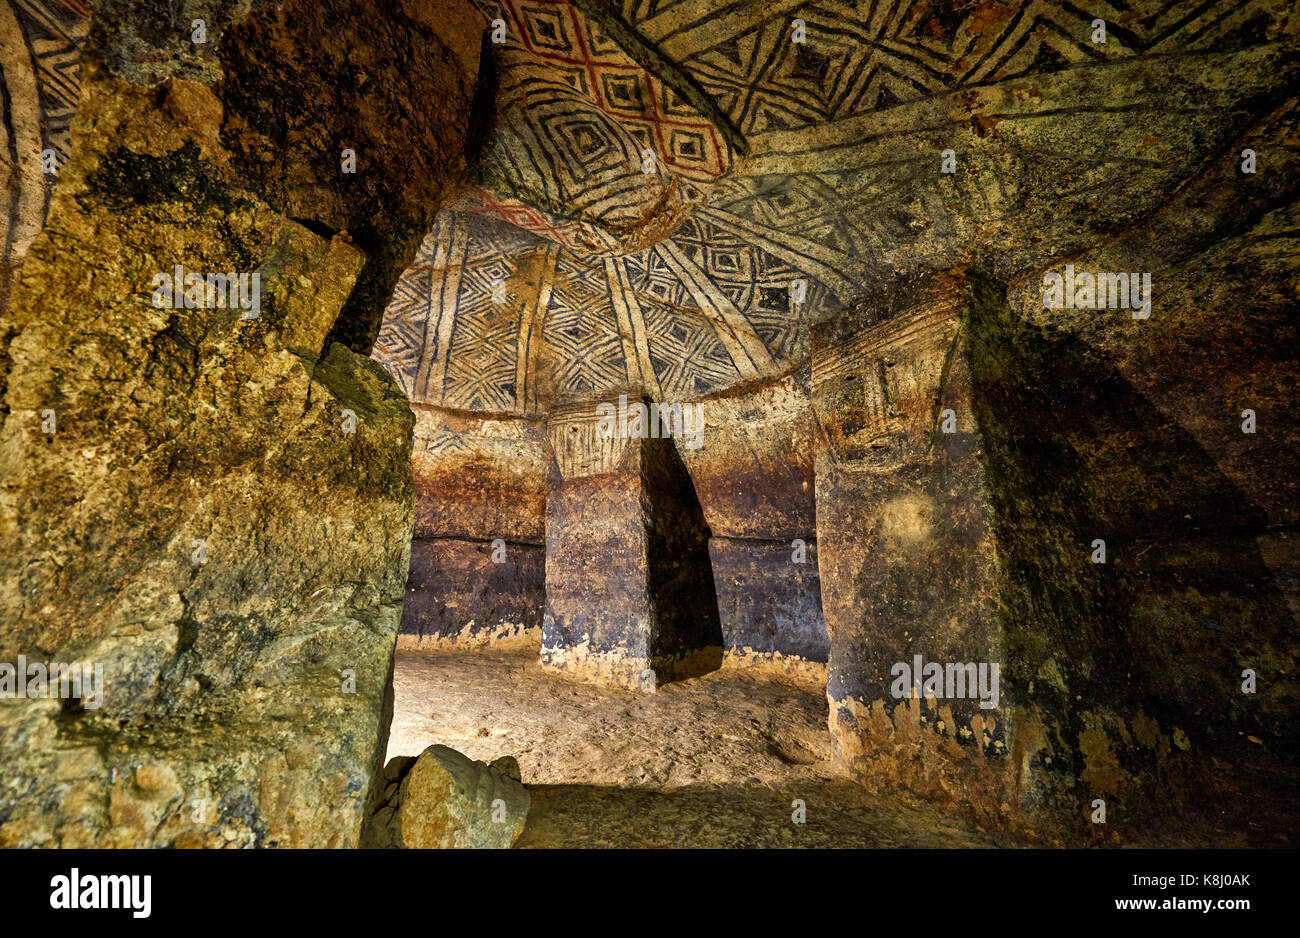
<point>906,555</point>
<point>629,588</point>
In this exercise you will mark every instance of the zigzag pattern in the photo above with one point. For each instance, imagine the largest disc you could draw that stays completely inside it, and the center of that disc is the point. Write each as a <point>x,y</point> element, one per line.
<point>567,156</point>
<point>490,318</point>
<point>575,119</point>
<point>507,304</point>
<point>40,47</point>
<point>402,338</point>
<point>687,354</point>
<point>489,304</point>
<point>55,32</point>
<point>756,282</point>
<point>583,346</point>
<point>562,45</point>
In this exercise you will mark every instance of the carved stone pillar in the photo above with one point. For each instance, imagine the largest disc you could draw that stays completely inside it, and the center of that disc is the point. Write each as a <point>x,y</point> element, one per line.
<point>906,555</point>
<point>629,587</point>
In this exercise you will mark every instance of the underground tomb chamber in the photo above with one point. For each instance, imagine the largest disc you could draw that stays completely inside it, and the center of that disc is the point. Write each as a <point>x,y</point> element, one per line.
<point>292,538</point>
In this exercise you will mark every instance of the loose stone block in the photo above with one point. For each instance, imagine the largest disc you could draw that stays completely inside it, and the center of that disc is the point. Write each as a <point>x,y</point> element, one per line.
<point>444,800</point>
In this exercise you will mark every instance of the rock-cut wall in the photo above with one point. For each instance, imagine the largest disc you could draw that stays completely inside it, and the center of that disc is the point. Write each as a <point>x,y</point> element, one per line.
<point>752,466</point>
<point>478,560</point>
<point>210,504</point>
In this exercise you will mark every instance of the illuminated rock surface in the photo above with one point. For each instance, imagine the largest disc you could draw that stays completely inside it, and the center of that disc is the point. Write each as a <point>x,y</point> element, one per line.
<point>834,247</point>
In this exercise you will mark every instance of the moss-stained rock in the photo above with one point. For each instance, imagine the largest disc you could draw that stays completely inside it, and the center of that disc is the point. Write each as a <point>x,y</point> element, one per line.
<point>214,506</point>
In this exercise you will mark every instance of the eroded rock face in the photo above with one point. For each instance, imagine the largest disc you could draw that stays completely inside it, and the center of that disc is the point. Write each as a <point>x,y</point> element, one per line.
<point>212,503</point>
<point>443,800</point>
<point>195,523</point>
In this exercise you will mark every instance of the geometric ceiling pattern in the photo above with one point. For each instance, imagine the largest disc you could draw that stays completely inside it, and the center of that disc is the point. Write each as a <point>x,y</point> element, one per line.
<point>587,148</point>
<point>671,191</point>
<point>494,318</point>
<point>863,56</point>
<point>573,267</point>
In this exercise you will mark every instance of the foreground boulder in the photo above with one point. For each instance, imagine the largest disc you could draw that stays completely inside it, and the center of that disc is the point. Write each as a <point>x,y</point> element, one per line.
<point>444,799</point>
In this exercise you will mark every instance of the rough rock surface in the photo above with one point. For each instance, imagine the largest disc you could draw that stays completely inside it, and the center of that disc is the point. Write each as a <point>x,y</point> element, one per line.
<point>222,511</point>
<point>443,800</point>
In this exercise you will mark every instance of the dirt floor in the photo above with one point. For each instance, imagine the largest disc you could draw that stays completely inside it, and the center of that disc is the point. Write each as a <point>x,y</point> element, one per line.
<point>716,761</point>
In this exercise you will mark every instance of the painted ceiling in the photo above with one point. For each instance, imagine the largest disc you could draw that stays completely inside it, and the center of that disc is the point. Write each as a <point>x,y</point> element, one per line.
<point>569,269</point>
<point>786,180</point>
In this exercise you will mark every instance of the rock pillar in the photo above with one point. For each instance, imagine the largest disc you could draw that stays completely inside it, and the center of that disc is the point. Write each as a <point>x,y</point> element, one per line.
<point>630,598</point>
<point>906,555</point>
